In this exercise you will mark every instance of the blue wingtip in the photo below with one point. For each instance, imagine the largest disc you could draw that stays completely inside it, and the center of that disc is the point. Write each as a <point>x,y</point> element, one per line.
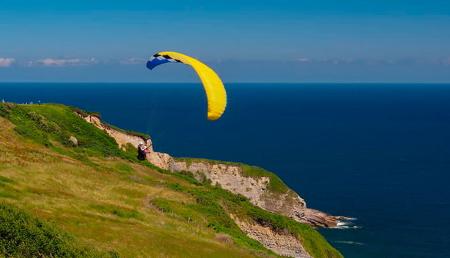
<point>150,65</point>
<point>155,62</point>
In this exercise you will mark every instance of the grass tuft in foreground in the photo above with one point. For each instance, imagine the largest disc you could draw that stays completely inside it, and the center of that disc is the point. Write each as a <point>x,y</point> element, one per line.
<point>22,235</point>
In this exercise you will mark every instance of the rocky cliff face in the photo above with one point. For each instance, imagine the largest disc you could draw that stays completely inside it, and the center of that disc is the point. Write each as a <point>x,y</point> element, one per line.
<point>229,177</point>
<point>121,138</point>
<point>282,243</point>
<point>159,159</point>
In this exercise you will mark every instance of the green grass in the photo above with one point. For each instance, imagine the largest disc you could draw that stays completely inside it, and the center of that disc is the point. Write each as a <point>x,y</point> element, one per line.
<point>124,168</point>
<point>52,125</point>
<point>5,180</point>
<point>22,235</point>
<point>85,113</point>
<point>121,212</point>
<point>207,211</point>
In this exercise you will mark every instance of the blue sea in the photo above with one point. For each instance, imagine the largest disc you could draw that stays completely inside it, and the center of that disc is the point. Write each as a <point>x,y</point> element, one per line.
<point>376,152</point>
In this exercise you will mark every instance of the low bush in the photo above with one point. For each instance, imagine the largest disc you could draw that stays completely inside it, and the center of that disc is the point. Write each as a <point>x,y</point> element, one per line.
<point>22,235</point>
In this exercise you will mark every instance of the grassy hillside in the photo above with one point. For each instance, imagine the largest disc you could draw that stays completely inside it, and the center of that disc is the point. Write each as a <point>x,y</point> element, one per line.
<point>95,200</point>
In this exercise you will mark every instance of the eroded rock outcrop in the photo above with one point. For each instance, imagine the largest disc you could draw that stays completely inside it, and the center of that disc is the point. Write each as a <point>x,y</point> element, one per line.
<point>121,138</point>
<point>228,177</point>
<point>281,243</point>
<point>159,159</point>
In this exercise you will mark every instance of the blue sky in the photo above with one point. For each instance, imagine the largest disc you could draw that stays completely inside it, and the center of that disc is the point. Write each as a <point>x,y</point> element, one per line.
<point>245,41</point>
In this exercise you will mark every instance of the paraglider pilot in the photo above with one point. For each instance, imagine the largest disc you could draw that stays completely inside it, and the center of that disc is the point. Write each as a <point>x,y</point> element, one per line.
<point>143,149</point>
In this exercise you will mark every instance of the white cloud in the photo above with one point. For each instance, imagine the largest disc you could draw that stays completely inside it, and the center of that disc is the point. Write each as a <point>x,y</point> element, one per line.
<point>303,59</point>
<point>63,62</point>
<point>6,62</point>
<point>133,61</point>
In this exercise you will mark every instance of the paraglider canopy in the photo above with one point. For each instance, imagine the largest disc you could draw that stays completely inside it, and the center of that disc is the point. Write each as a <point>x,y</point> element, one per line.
<point>214,89</point>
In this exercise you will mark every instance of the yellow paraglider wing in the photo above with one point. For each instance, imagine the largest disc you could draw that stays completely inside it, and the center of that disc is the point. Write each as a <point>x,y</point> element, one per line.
<point>214,89</point>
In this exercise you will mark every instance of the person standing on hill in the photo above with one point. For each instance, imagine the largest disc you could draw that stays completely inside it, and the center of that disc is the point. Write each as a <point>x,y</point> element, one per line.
<point>142,151</point>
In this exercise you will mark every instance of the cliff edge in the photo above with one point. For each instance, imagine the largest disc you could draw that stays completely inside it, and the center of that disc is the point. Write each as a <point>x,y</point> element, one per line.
<point>262,188</point>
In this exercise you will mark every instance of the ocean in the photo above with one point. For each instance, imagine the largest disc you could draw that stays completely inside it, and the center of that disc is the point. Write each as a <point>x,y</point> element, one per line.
<point>379,153</point>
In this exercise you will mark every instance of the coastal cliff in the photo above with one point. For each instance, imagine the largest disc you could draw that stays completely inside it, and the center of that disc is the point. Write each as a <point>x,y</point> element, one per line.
<point>262,188</point>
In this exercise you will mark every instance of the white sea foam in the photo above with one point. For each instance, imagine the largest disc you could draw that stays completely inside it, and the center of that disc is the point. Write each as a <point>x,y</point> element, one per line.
<point>348,227</point>
<point>347,224</point>
<point>349,242</point>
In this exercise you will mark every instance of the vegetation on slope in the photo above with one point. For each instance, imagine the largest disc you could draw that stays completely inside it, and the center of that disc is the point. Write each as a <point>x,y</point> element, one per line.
<point>52,126</point>
<point>25,236</point>
<point>106,199</point>
<point>215,202</point>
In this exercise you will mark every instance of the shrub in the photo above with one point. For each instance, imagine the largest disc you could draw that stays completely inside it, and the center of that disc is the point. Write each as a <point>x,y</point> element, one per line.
<point>22,235</point>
